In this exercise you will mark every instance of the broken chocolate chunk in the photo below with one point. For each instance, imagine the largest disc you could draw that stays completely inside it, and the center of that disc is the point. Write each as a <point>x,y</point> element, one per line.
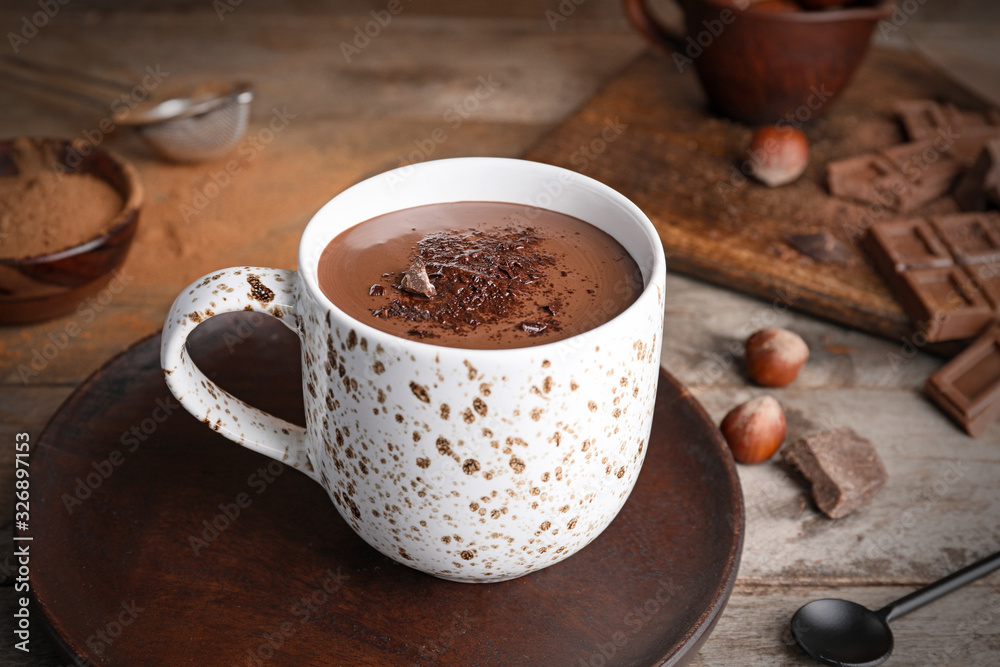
<point>959,132</point>
<point>922,119</point>
<point>533,328</point>
<point>945,304</point>
<point>967,388</point>
<point>900,178</point>
<point>479,277</point>
<point>821,246</point>
<point>376,290</point>
<point>416,280</point>
<point>844,468</point>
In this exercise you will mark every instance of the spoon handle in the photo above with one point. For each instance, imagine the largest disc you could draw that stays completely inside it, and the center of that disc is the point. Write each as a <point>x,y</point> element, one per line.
<point>928,594</point>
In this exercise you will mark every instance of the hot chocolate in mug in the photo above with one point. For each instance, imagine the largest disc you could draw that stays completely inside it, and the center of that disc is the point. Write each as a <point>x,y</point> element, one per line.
<point>474,465</point>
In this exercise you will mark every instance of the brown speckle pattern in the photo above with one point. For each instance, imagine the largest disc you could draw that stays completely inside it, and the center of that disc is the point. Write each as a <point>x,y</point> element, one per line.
<point>479,405</point>
<point>491,465</point>
<point>212,405</point>
<point>258,290</point>
<point>420,392</point>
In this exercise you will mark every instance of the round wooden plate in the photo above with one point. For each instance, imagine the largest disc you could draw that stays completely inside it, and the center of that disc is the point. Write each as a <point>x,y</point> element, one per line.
<point>157,541</point>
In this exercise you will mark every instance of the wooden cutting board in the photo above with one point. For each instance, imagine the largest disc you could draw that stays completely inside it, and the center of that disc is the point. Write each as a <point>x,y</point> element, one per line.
<point>650,135</point>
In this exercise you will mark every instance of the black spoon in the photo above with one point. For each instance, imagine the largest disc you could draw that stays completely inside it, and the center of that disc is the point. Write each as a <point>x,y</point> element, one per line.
<point>845,634</point>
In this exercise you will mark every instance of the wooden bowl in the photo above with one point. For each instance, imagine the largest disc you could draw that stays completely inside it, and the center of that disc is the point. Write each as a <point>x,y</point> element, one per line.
<point>766,67</point>
<point>43,287</point>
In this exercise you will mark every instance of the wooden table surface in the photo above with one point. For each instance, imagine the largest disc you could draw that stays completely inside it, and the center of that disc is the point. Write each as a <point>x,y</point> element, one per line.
<point>348,120</point>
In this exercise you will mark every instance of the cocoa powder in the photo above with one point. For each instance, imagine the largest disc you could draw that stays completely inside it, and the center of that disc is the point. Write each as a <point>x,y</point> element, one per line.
<point>43,211</point>
<point>477,277</point>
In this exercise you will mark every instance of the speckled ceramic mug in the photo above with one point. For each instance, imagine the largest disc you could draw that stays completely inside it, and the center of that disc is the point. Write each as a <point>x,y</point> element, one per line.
<point>471,465</point>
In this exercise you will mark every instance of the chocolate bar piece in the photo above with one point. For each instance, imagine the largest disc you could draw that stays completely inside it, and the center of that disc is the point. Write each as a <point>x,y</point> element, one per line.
<point>986,278</point>
<point>972,238</point>
<point>970,142</point>
<point>870,178</point>
<point>929,170</point>
<point>908,244</point>
<point>926,119</point>
<point>980,186</point>
<point>844,468</point>
<point>922,119</point>
<point>967,388</point>
<point>960,132</point>
<point>900,178</point>
<point>944,142</point>
<point>929,266</point>
<point>944,303</point>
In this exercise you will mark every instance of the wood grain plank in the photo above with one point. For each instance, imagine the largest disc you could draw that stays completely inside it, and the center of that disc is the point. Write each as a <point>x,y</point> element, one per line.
<point>288,181</point>
<point>358,118</point>
<point>705,330</point>
<point>956,631</point>
<point>648,135</point>
<point>939,509</point>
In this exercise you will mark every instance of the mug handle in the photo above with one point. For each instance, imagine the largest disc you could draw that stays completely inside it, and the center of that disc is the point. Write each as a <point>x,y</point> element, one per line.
<point>268,291</point>
<point>651,27</point>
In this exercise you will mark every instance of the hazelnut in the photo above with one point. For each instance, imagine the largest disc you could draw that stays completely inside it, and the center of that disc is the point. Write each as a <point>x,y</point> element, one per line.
<point>775,357</point>
<point>778,155</point>
<point>755,429</point>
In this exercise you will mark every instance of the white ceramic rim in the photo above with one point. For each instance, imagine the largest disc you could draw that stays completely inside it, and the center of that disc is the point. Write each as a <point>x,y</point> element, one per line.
<point>473,179</point>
